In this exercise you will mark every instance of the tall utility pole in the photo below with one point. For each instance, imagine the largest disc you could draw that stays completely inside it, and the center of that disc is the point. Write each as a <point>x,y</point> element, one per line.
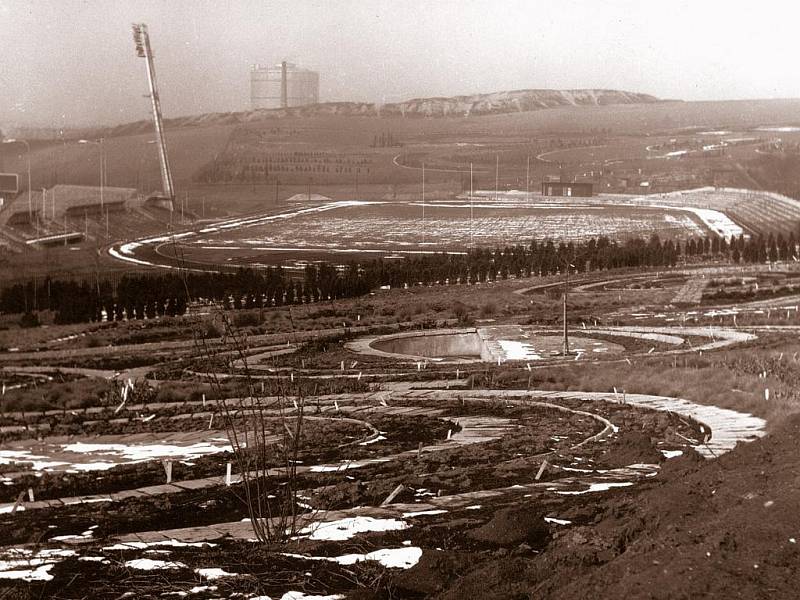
<point>423,203</point>
<point>566,291</point>
<point>496,176</point>
<point>103,170</point>
<point>143,50</point>
<point>566,333</point>
<point>471,213</point>
<point>284,87</point>
<point>528,180</point>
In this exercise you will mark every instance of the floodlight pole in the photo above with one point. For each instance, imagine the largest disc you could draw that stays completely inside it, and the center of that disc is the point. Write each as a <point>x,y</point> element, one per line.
<point>143,50</point>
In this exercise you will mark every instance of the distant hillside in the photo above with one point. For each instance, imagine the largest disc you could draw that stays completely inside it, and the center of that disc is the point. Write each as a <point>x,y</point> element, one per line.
<point>516,101</point>
<point>456,106</point>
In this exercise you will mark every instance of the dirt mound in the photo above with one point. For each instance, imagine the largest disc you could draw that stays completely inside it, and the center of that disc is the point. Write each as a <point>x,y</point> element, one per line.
<point>726,529</point>
<point>630,448</point>
<point>512,526</point>
<point>493,579</point>
<point>434,572</point>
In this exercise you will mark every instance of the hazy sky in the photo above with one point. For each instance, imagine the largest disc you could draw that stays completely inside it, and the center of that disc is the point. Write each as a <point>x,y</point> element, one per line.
<point>73,62</point>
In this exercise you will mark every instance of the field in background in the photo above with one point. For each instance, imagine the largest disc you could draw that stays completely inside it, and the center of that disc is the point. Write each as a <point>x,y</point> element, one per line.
<point>226,166</point>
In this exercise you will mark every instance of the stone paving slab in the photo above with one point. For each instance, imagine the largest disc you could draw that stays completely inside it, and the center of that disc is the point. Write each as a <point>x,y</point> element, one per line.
<point>158,490</point>
<point>198,484</point>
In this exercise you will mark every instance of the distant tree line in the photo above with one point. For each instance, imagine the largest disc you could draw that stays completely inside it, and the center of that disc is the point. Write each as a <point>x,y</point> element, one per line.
<point>156,295</point>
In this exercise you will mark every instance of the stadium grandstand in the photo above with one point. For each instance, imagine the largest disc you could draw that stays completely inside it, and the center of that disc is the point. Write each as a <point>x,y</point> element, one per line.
<point>69,214</point>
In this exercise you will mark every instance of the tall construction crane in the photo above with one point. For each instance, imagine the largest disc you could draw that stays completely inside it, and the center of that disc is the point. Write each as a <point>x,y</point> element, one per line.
<point>142,40</point>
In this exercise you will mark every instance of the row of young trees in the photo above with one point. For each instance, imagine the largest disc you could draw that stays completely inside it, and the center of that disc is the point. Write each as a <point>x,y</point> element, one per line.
<point>754,249</point>
<point>156,295</point>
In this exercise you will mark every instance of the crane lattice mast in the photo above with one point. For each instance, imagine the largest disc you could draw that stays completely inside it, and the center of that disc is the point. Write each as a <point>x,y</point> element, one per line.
<point>143,50</point>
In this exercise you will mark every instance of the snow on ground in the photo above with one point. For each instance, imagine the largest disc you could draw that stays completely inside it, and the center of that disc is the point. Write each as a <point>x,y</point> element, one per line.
<point>671,453</point>
<point>345,529</point>
<point>27,565</point>
<point>420,513</point>
<point>144,452</point>
<point>148,564</point>
<point>514,350</point>
<point>784,129</point>
<point>73,457</point>
<point>171,543</point>
<point>126,251</point>
<point>345,465</point>
<point>392,558</point>
<point>598,487</point>
<point>303,596</point>
<point>212,573</point>
<point>717,221</point>
<point>40,463</point>
<point>198,589</point>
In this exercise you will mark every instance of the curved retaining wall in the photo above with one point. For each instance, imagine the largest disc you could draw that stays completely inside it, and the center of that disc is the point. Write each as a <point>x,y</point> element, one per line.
<point>441,345</point>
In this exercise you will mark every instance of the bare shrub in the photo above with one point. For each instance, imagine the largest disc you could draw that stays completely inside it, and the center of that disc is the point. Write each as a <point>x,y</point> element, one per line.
<point>488,309</point>
<point>256,446</point>
<point>461,313</point>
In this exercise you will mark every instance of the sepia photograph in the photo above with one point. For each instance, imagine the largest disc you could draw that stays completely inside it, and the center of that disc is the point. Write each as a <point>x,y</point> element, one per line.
<point>399,299</point>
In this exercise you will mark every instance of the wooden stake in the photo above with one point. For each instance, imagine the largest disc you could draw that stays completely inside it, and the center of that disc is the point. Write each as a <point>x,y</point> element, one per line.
<point>167,469</point>
<point>18,502</point>
<point>393,495</point>
<point>541,470</point>
<point>228,474</point>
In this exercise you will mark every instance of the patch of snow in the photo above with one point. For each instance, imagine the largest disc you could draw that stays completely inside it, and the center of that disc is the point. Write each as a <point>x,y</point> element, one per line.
<point>345,466</point>
<point>198,589</point>
<point>598,487</point>
<point>391,558</point>
<point>18,563</point>
<point>147,564</point>
<point>514,350</point>
<point>373,440</point>
<point>557,521</point>
<point>420,513</point>
<point>142,452</point>
<point>346,528</point>
<point>671,453</point>
<point>784,129</point>
<point>94,466</point>
<point>38,574</point>
<point>172,543</point>
<point>99,559</point>
<point>214,573</point>
<point>303,596</point>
